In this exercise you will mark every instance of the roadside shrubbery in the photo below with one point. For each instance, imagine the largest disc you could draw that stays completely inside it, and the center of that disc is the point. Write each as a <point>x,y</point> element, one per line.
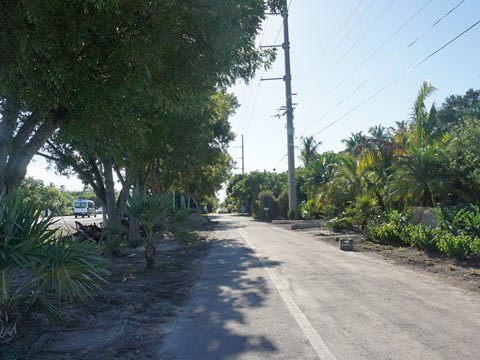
<point>460,220</point>
<point>339,223</point>
<point>39,272</point>
<point>457,235</point>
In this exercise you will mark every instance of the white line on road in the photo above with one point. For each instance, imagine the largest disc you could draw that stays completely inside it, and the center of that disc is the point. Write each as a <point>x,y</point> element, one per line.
<point>308,330</point>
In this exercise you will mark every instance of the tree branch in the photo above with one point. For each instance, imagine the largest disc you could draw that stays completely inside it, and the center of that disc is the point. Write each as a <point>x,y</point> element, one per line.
<point>25,131</point>
<point>48,157</point>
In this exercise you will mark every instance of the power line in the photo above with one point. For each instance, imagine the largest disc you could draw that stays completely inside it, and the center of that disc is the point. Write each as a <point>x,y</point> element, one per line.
<point>400,77</point>
<point>353,26</point>
<point>410,19</point>
<point>263,73</point>
<point>334,38</point>
<point>363,34</point>
<point>278,163</point>
<point>253,107</point>
<point>341,28</point>
<point>392,59</point>
<point>250,85</point>
<point>334,66</point>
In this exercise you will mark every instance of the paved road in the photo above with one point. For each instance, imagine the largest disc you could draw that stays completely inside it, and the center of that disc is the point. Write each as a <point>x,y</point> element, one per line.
<point>268,293</point>
<point>68,222</point>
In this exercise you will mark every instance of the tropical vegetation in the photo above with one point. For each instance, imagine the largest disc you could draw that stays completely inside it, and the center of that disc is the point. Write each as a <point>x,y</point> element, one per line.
<point>431,160</point>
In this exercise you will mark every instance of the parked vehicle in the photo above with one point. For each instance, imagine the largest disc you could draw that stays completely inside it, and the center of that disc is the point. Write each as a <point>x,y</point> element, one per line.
<point>99,210</point>
<point>84,208</point>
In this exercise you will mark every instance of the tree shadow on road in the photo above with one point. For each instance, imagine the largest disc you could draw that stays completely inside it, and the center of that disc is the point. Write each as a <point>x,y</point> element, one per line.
<point>231,288</point>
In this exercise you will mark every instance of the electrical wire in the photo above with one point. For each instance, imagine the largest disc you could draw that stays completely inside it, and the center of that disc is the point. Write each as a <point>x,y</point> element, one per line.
<point>263,73</point>
<point>392,59</point>
<point>250,85</point>
<point>410,19</point>
<point>362,35</point>
<point>333,39</point>
<point>353,27</point>
<point>278,163</point>
<point>406,72</point>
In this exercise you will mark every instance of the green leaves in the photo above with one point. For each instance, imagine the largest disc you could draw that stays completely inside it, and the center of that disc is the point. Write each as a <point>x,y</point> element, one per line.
<point>157,217</point>
<point>38,271</point>
<point>22,232</point>
<point>72,270</point>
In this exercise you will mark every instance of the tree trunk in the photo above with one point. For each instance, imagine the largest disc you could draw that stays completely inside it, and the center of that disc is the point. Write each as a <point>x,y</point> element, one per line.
<point>198,205</point>
<point>134,238</point>
<point>112,216</point>
<point>8,125</point>
<point>150,256</point>
<point>182,201</point>
<point>427,197</point>
<point>22,153</point>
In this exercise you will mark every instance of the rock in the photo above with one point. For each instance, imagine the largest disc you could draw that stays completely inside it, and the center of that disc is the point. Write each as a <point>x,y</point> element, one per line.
<point>425,216</point>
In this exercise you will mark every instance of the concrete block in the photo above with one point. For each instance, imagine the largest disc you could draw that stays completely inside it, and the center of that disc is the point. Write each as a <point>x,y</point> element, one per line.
<point>346,244</point>
<point>308,224</point>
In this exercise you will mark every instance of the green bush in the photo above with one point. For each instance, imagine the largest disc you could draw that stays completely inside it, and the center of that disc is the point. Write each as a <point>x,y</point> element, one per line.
<point>308,210</point>
<point>339,223</point>
<point>459,246</point>
<point>156,217</point>
<point>282,202</point>
<point>475,247</point>
<point>420,236</point>
<point>37,271</point>
<point>291,215</point>
<point>390,229</point>
<point>386,233</point>
<point>362,210</point>
<point>265,199</point>
<point>460,220</point>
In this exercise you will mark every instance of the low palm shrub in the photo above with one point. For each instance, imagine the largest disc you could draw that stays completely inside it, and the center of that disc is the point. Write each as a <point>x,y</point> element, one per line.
<point>37,271</point>
<point>156,217</point>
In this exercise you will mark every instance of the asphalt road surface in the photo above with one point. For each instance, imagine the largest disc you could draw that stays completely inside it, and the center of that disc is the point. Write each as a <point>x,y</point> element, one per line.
<point>269,293</point>
<point>68,222</point>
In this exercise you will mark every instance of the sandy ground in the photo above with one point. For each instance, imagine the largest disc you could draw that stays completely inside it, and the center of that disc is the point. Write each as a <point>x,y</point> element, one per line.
<point>124,320</point>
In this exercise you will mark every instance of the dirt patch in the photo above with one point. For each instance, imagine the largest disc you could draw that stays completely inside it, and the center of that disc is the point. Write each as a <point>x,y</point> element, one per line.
<point>465,274</point>
<point>127,319</point>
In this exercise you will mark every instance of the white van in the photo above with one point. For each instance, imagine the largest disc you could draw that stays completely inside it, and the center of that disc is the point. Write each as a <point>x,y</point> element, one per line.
<point>84,207</point>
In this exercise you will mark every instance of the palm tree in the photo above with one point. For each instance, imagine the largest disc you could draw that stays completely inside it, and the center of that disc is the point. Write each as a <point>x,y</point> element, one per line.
<point>354,142</point>
<point>157,217</point>
<point>54,270</point>
<point>379,132</point>
<point>346,183</point>
<point>309,150</point>
<point>423,121</point>
<point>420,177</point>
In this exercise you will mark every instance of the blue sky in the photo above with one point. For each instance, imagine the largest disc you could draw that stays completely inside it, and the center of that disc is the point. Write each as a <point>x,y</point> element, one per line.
<point>316,72</point>
<point>318,69</point>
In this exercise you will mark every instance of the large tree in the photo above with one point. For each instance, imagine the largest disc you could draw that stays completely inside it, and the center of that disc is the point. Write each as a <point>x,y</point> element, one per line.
<point>79,63</point>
